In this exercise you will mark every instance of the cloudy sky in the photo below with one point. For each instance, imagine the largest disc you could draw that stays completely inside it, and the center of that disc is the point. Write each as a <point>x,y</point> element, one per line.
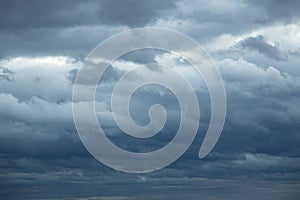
<point>256,47</point>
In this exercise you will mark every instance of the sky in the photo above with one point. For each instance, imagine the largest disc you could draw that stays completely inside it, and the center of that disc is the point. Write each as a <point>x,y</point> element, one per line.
<point>254,44</point>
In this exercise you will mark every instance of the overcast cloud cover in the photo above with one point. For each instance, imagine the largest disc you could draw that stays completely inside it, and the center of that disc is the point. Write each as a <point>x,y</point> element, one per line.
<point>256,46</point>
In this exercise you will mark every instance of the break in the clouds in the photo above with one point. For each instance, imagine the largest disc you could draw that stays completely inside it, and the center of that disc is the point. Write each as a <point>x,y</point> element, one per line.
<point>255,45</point>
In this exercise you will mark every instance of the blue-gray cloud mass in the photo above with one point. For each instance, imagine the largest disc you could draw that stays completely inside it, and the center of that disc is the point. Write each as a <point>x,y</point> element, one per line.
<point>255,45</point>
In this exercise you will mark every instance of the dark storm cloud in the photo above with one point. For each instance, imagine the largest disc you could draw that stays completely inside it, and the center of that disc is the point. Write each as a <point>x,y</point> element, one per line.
<point>260,44</point>
<point>17,15</point>
<point>83,177</point>
<point>69,27</point>
<point>74,28</point>
<point>75,41</point>
<point>43,140</point>
<point>132,12</point>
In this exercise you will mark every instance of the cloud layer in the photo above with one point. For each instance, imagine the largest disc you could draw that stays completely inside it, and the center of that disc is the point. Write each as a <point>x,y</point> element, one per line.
<point>255,46</point>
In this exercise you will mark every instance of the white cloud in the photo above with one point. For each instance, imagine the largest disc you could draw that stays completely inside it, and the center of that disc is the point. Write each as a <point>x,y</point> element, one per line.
<point>243,71</point>
<point>43,77</point>
<point>287,36</point>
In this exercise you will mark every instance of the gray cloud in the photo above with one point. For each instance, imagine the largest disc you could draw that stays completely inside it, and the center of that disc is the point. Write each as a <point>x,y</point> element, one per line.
<point>246,83</point>
<point>58,28</point>
<point>132,12</point>
<point>83,177</point>
<point>286,11</point>
<point>257,156</point>
<point>6,74</point>
<point>18,15</point>
<point>74,28</point>
<point>260,44</point>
